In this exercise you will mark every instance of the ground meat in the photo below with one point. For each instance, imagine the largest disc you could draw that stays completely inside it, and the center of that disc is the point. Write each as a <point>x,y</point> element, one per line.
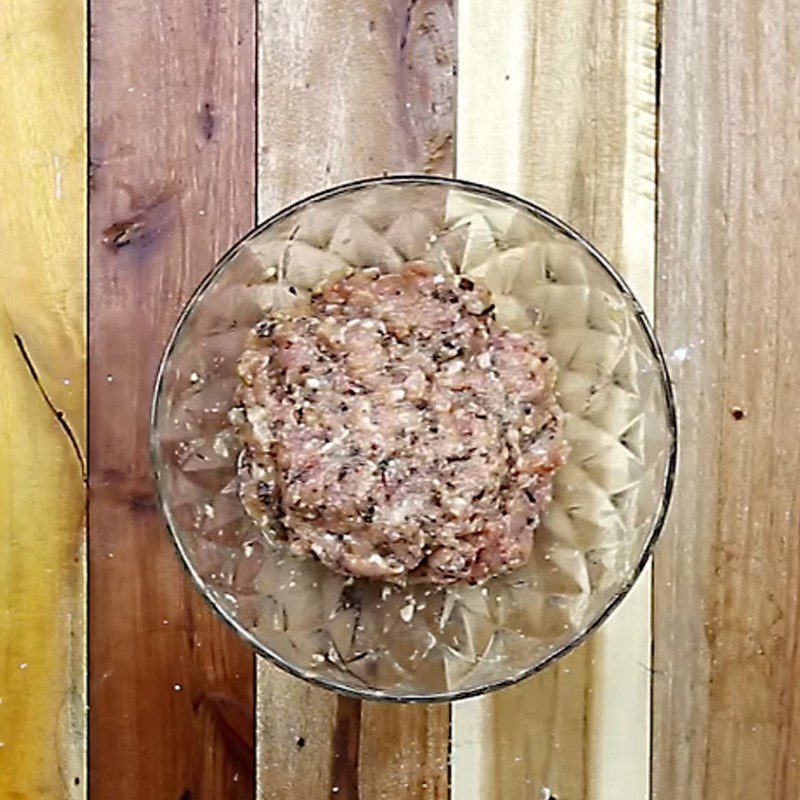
<point>393,428</point>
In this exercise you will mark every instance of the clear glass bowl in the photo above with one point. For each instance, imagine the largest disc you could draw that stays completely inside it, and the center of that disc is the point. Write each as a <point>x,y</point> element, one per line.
<point>424,642</point>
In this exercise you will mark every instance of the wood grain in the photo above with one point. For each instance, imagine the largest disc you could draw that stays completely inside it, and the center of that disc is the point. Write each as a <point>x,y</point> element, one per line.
<point>42,400</point>
<point>574,84</point>
<point>348,95</point>
<point>404,752</point>
<point>342,96</point>
<point>726,692</point>
<point>173,165</point>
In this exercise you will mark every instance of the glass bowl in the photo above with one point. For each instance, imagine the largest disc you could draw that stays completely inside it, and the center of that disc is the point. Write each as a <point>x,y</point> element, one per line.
<point>423,642</point>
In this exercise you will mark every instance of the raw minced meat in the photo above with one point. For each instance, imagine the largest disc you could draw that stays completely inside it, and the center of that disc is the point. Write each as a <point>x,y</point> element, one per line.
<point>394,429</point>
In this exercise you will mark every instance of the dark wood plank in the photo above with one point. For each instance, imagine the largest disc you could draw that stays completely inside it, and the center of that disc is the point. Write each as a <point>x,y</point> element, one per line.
<point>726,689</point>
<point>172,186</point>
<point>404,752</point>
<point>344,95</point>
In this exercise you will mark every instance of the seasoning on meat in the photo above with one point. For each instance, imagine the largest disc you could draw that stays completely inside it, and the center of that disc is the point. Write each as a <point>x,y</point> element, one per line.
<point>394,429</point>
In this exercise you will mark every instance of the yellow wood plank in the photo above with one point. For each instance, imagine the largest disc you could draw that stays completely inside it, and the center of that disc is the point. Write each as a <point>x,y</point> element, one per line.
<point>726,689</point>
<point>557,102</point>
<point>42,398</point>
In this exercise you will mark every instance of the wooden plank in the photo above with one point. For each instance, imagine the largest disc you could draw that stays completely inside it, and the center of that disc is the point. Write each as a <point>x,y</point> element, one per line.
<point>173,165</point>
<point>342,96</point>
<point>42,399</point>
<point>726,692</point>
<point>404,752</point>
<point>574,84</point>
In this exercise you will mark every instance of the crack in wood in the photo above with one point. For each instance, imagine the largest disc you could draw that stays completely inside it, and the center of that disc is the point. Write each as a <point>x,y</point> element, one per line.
<point>407,25</point>
<point>58,414</point>
<point>207,122</point>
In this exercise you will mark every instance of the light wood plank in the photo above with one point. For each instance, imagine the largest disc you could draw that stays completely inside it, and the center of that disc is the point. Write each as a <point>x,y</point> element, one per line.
<point>574,86</point>
<point>344,95</point>
<point>42,399</point>
<point>173,166</point>
<point>726,692</point>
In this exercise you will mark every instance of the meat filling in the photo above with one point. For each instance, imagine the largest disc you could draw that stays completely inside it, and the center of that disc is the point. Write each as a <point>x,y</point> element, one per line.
<point>394,429</point>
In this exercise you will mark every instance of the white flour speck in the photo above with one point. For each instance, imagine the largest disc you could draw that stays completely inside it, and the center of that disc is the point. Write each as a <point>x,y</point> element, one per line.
<point>680,354</point>
<point>59,176</point>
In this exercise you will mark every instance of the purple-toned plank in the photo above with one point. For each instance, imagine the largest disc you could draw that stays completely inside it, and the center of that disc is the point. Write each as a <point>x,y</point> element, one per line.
<point>172,186</point>
<point>726,704</point>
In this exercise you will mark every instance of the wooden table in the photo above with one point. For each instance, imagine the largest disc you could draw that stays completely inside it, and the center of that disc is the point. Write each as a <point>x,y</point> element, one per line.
<point>668,133</point>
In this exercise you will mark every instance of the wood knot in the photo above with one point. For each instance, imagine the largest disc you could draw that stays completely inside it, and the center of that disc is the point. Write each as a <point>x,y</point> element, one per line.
<point>122,233</point>
<point>153,213</point>
<point>207,121</point>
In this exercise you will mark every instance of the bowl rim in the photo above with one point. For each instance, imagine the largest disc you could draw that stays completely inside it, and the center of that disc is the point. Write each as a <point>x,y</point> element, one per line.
<point>519,204</point>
